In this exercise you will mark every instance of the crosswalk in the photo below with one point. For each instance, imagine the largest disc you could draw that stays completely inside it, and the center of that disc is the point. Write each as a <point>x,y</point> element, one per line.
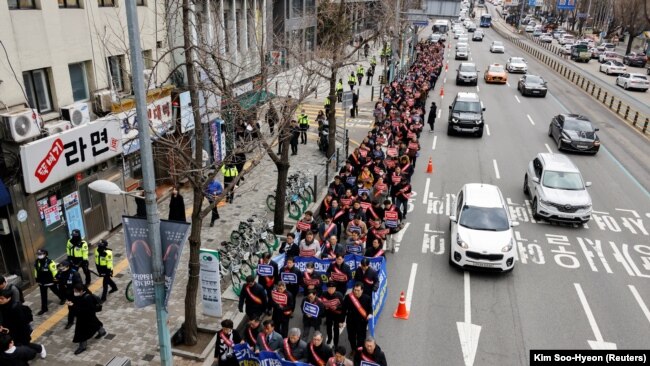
<point>364,120</point>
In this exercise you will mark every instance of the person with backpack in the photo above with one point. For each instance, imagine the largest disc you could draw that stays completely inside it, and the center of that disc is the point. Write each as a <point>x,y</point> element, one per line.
<point>14,319</point>
<point>85,306</point>
<point>44,272</point>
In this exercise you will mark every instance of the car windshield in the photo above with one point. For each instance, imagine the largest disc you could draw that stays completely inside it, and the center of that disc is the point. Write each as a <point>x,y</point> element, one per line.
<point>496,68</point>
<point>467,68</point>
<point>484,218</point>
<point>517,60</point>
<point>497,43</point>
<point>533,79</point>
<point>563,180</point>
<point>616,63</point>
<point>578,125</point>
<point>471,107</point>
<point>462,49</point>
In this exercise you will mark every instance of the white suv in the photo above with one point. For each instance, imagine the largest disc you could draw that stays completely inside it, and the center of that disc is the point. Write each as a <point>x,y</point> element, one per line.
<point>557,190</point>
<point>481,229</point>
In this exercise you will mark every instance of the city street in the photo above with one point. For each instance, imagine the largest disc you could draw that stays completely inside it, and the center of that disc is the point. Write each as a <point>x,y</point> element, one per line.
<point>572,287</point>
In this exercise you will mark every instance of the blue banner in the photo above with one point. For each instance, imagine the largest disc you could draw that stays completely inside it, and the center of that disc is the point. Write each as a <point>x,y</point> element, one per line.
<point>531,2</point>
<point>566,4</point>
<point>265,270</point>
<point>246,357</point>
<point>288,277</point>
<point>379,296</point>
<point>310,309</point>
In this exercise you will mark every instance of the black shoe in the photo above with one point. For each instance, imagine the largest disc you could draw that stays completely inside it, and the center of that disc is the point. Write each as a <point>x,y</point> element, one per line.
<point>212,224</point>
<point>112,290</point>
<point>80,349</point>
<point>102,300</point>
<point>69,325</point>
<point>43,311</point>
<point>100,333</point>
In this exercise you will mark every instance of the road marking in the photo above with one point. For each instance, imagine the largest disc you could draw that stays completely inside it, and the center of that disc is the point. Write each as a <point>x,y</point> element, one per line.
<point>508,84</point>
<point>439,111</point>
<point>482,105</point>
<point>468,301</point>
<point>638,299</point>
<point>426,191</point>
<point>530,119</point>
<point>548,148</point>
<point>445,81</point>
<point>600,342</point>
<point>409,289</point>
<point>478,89</point>
<point>487,129</point>
<point>435,139</point>
<point>496,168</point>
<point>518,101</point>
<point>468,333</point>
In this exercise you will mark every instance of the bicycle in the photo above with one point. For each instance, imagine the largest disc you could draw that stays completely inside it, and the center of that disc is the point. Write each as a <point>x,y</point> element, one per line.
<point>292,201</point>
<point>255,228</point>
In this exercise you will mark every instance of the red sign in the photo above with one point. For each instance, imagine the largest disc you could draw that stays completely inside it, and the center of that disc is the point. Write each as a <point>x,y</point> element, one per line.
<point>391,151</point>
<point>390,216</point>
<point>49,161</point>
<point>279,298</point>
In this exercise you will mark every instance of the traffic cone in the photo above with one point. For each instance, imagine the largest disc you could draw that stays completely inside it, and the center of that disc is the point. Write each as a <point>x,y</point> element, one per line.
<point>430,166</point>
<point>401,312</point>
<point>442,91</point>
<point>447,67</point>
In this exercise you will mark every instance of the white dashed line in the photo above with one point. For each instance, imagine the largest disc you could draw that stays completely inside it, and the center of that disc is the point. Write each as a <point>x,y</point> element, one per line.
<point>435,140</point>
<point>548,148</point>
<point>496,168</point>
<point>439,111</point>
<point>409,289</point>
<point>530,119</point>
<point>639,300</point>
<point>477,89</point>
<point>507,83</point>
<point>487,129</point>
<point>518,101</point>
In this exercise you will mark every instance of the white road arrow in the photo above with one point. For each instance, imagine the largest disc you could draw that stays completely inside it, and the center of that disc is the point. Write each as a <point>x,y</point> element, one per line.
<point>599,343</point>
<point>468,332</point>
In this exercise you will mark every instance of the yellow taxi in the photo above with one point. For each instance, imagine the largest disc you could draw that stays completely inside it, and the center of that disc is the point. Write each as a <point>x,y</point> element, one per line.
<point>496,73</point>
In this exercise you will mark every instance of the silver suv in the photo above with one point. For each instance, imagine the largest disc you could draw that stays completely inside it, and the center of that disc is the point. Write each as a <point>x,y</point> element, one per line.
<point>557,190</point>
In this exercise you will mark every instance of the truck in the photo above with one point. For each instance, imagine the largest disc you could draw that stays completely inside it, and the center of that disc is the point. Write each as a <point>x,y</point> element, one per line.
<point>580,52</point>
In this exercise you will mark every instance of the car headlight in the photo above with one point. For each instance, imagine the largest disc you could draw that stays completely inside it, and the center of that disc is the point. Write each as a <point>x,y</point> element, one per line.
<point>508,246</point>
<point>596,143</point>
<point>454,120</point>
<point>460,242</point>
<point>478,121</point>
<point>544,202</point>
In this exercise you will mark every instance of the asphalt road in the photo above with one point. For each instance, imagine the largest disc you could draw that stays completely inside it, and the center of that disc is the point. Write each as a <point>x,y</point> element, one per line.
<point>570,285</point>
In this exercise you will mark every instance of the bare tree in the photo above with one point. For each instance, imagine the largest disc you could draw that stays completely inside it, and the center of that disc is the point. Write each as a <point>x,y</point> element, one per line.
<point>630,16</point>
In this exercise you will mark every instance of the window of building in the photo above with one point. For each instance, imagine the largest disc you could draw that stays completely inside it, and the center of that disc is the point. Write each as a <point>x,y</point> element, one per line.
<point>309,38</point>
<point>22,4</point>
<point>106,3</point>
<point>116,70</point>
<point>69,4</point>
<point>147,57</point>
<point>140,3</point>
<point>296,8</point>
<point>79,81</point>
<point>37,88</point>
<point>310,7</point>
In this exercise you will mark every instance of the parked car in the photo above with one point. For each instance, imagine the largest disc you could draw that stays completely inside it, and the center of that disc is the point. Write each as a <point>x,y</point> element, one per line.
<point>516,64</point>
<point>497,47</point>
<point>532,85</point>
<point>557,189</point>
<point>574,132</point>
<point>633,81</point>
<point>637,59</point>
<point>612,68</point>
<point>480,229</point>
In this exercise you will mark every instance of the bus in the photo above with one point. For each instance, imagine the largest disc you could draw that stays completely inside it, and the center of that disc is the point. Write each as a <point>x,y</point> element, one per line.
<point>486,21</point>
<point>440,26</point>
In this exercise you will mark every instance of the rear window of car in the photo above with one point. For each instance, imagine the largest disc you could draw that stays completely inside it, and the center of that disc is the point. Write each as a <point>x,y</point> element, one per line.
<point>496,69</point>
<point>640,77</point>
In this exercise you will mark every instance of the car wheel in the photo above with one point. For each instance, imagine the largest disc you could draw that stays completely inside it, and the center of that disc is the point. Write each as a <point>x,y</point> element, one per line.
<point>550,131</point>
<point>450,131</point>
<point>526,189</point>
<point>607,72</point>
<point>536,215</point>
<point>625,86</point>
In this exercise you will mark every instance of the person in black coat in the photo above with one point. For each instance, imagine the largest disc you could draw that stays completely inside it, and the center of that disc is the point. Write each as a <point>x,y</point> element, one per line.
<point>358,310</point>
<point>84,306</point>
<point>367,276</point>
<point>310,321</point>
<point>239,159</point>
<point>140,204</point>
<point>227,338</point>
<point>292,276</point>
<point>283,304</point>
<point>289,246</point>
<point>254,296</point>
<point>14,319</point>
<point>333,302</point>
<point>268,281</point>
<point>370,352</point>
<point>176,206</point>
<point>295,135</point>
<point>432,115</point>
<point>318,353</point>
<point>339,273</point>
<point>67,278</point>
<point>13,355</point>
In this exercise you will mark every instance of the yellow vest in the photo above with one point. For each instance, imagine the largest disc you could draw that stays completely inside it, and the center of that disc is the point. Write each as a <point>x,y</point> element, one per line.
<point>352,79</point>
<point>360,70</point>
<point>339,86</point>
<point>77,252</point>
<point>229,172</point>
<point>327,101</point>
<point>105,261</point>
<point>303,119</point>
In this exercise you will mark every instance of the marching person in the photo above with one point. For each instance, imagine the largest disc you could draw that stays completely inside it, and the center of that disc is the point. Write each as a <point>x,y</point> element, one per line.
<point>104,263</point>
<point>333,248</point>
<point>370,353</point>
<point>292,276</point>
<point>67,277</point>
<point>327,229</point>
<point>45,273</point>
<point>214,190</point>
<point>310,280</point>
<point>340,273</point>
<point>254,297</point>
<point>253,329</point>
<point>268,281</point>
<point>354,245</point>
<point>283,304</point>
<point>318,352</point>
<point>401,193</point>
<point>358,311</point>
<point>176,206</point>
<point>306,224</point>
<point>268,339</point>
<point>339,358</point>
<point>309,246</point>
<point>289,246</point>
<point>333,302</point>
<point>311,319</point>
<point>77,250</point>
<point>14,320</point>
<point>367,276</point>
<point>293,348</point>
<point>375,249</point>
<point>84,305</point>
<point>226,341</point>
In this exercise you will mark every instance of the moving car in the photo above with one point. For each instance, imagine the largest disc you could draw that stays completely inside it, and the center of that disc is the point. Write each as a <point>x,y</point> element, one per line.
<point>633,81</point>
<point>434,37</point>
<point>497,47</point>
<point>532,85</point>
<point>612,68</point>
<point>529,29</point>
<point>558,33</point>
<point>637,59</point>
<point>546,38</point>
<point>566,49</point>
<point>478,35</point>
<point>516,64</point>
<point>462,53</point>
<point>495,73</point>
<point>463,38</point>
<point>467,73</point>
<point>580,52</point>
<point>606,46</point>
<point>480,229</point>
<point>458,32</point>
<point>609,56</point>
<point>595,52</point>
<point>566,38</point>
<point>537,32</point>
<point>471,27</point>
<point>557,190</point>
<point>574,132</point>
<point>466,115</point>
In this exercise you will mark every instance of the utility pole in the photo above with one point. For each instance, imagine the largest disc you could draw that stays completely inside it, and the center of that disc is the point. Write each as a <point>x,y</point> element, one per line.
<point>149,182</point>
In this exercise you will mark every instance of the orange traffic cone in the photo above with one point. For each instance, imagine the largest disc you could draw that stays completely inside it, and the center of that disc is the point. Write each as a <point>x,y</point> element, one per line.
<point>430,166</point>
<point>442,91</point>
<point>401,312</point>
<point>447,66</point>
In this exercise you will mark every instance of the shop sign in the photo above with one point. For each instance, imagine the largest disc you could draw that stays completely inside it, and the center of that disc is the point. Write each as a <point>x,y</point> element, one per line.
<point>159,113</point>
<point>57,157</point>
<point>187,113</point>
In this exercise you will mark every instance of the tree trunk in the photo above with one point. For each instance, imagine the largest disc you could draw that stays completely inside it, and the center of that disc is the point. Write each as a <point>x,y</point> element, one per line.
<point>281,186</point>
<point>630,39</point>
<point>331,118</point>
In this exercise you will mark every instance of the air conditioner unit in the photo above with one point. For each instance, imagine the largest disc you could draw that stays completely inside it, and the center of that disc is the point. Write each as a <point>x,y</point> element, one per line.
<point>104,100</point>
<point>56,127</point>
<point>149,81</point>
<point>20,125</point>
<point>78,114</point>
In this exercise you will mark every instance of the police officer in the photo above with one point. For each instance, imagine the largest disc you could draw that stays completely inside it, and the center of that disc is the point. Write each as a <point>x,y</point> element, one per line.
<point>230,173</point>
<point>67,277</point>
<point>77,250</point>
<point>327,105</point>
<point>352,81</point>
<point>45,272</point>
<point>339,91</point>
<point>104,262</point>
<point>373,63</point>
<point>360,72</point>
<point>303,122</point>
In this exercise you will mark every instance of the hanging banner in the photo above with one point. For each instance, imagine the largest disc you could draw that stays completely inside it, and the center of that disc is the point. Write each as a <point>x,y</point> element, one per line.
<point>246,356</point>
<point>218,138</point>
<point>73,213</point>
<point>379,296</point>
<point>173,235</point>
<point>187,113</point>
<point>566,4</point>
<point>210,282</point>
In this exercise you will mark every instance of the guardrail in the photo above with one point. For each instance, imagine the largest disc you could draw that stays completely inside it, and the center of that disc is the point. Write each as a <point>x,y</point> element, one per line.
<point>603,94</point>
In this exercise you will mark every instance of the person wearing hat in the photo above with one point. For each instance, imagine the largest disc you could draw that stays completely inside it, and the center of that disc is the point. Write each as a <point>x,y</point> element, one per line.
<point>333,302</point>
<point>367,276</point>
<point>227,338</point>
<point>67,277</point>
<point>104,263</point>
<point>45,273</point>
<point>77,250</point>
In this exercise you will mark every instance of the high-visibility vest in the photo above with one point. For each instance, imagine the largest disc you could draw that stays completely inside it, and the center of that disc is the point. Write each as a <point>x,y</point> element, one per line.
<point>327,101</point>
<point>303,119</point>
<point>77,252</point>
<point>47,272</point>
<point>339,86</point>
<point>105,261</point>
<point>373,61</point>
<point>352,79</point>
<point>360,70</point>
<point>229,172</point>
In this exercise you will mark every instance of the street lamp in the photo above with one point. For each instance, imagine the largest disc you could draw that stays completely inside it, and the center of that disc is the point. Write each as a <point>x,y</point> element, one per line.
<point>108,187</point>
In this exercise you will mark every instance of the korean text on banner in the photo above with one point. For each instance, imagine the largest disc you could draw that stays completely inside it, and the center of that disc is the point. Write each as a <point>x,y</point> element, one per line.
<point>173,235</point>
<point>246,356</point>
<point>566,4</point>
<point>379,296</point>
<point>210,282</point>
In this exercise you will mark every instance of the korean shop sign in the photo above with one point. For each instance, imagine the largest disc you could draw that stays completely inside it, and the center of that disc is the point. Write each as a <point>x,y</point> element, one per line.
<point>54,158</point>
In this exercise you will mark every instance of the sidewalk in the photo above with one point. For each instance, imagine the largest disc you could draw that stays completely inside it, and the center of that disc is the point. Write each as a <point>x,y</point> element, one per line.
<point>132,332</point>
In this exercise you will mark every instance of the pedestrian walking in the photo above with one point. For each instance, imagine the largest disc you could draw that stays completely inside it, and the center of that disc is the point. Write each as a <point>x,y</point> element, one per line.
<point>309,246</point>
<point>292,276</point>
<point>339,272</point>
<point>14,320</point>
<point>16,355</point>
<point>313,312</point>
<point>370,73</point>
<point>367,276</point>
<point>303,123</point>
<point>77,250</point>
<point>104,263</point>
<point>67,277</point>
<point>366,50</point>
<point>339,91</point>
<point>254,297</point>
<point>283,304</point>
<point>253,329</point>
<point>293,348</point>
<point>295,134</point>
<point>432,115</point>
<point>176,206</point>
<point>355,105</point>
<point>272,118</point>
<point>230,173</point>
<point>317,351</point>
<point>358,310</point>
<point>268,339</point>
<point>352,81</point>
<point>227,338</point>
<point>339,358</point>
<point>239,159</point>
<point>214,190</point>
<point>360,72</point>
<point>371,353</point>
<point>45,272</point>
<point>333,302</point>
<point>85,306</point>
<point>269,278</point>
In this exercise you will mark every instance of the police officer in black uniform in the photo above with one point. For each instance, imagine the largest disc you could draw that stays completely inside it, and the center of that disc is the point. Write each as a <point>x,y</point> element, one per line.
<point>45,271</point>
<point>67,278</point>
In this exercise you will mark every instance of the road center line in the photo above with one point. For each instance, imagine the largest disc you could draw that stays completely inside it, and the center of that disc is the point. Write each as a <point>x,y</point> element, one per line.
<point>478,89</point>
<point>530,119</point>
<point>508,84</point>
<point>426,191</point>
<point>487,129</point>
<point>496,168</point>
<point>518,101</point>
<point>590,315</point>
<point>638,299</point>
<point>435,140</point>
<point>409,289</point>
<point>439,111</point>
<point>468,302</point>
<point>548,148</point>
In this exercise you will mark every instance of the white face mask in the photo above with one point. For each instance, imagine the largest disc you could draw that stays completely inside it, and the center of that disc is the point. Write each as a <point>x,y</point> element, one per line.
<point>77,294</point>
<point>41,256</point>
